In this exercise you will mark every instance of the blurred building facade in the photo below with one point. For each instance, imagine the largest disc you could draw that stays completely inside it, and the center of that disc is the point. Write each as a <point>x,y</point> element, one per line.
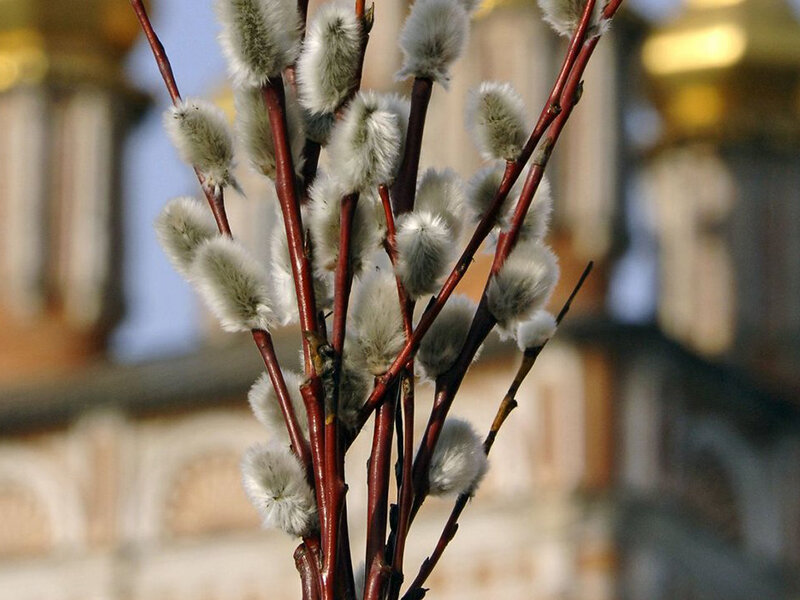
<point>646,461</point>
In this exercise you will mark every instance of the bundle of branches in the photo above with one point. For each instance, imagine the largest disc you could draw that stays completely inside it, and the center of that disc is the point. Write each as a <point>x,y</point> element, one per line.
<point>298,93</point>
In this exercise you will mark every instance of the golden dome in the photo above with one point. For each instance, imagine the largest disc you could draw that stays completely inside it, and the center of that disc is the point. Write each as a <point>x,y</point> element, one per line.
<point>727,68</point>
<point>64,39</point>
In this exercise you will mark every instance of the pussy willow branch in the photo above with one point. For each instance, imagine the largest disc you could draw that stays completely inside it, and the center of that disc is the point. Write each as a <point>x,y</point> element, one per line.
<point>213,196</point>
<point>513,170</point>
<point>299,444</point>
<point>310,391</point>
<point>334,465</point>
<point>307,565</point>
<point>159,53</point>
<point>262,339</point>
<point>275,101</point>
<point>405,185</point>
<point>449,382</point>
<point>394,550</point>
<point>378,476</point>
<point>508,404</point>
<point>405,493</point>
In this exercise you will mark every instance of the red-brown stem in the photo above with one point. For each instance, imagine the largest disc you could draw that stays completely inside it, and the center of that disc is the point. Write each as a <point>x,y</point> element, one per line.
<point>406,491</point>
<point>553,105</point>
<point>575,62</point>
<point>406,304</point>
<point>160,54</point>
<point>377,499</point>
<point>216,202</point>
<point>508,404</point>
<point>405,186</point>
<point>306,563</point>
<point>311,391</point>
<point>299,444</point>
<point>275,100</point>
<point>334,479</point>
<point>343,276</point>
<point>391,230</point>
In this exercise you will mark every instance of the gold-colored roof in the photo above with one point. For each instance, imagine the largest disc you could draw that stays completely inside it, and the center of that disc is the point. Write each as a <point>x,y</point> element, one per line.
<point>63,39</point>
<point>727,66</point>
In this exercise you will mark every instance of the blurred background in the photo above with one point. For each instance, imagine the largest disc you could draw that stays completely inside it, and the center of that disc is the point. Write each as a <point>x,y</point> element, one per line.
<point>656,450</point>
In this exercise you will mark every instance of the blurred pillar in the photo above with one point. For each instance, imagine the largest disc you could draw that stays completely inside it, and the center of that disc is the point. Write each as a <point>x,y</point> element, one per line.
<point>64,109</point>
<point>725,180</point>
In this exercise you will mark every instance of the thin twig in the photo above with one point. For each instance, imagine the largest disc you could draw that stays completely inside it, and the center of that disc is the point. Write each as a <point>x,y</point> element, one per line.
<point>334,465</point>
<point>508,404</point>
<point>376,569</point>
<point>299,444</point>
<point>405,493</point>
<point>311,391</point>
<point>405,186</point>
<point>275,101</point>
<point>160,54</point>
<point>306,563</point>
<point>216,203</point>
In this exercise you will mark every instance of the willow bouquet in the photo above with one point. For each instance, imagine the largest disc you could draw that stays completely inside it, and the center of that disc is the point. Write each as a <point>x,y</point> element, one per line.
<point>371,227</point>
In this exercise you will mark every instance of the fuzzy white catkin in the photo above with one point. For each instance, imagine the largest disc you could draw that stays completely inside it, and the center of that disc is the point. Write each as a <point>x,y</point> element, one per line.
<point>354,388</point>
<point>259,38</point>
<point>184,224</point>
<point>523,284</point>
<point>234,285</point>
<point>200,133</point>
<point>424,250</point>
<point>537,220</point>
<point>324,211</point>
<point>458,463</point>
<point>442,193</point>
<point>564,16</point>
<point>327,69</point>
<point>275,483</point>
<point>496,119</point>
<point>254,130</point>
<point>481,190</point>
<point>400,107</point>
<point>285,294</point>
<point>432,39</point>
<point>445,338</point>
<point>536,331</point>
<point>365,144</point>
<point>378,321</point>
<point>266,408</point>
<point>318,127</point>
